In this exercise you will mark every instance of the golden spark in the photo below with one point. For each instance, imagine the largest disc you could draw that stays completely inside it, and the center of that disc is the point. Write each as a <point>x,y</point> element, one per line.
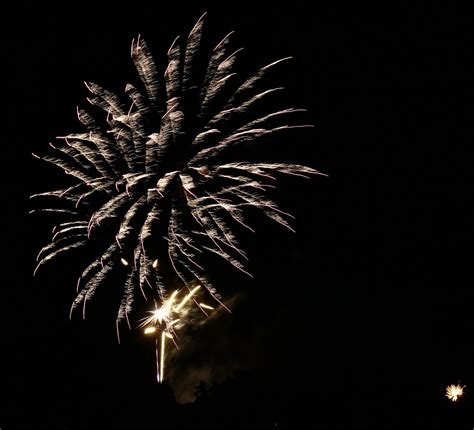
<point>203,305</point>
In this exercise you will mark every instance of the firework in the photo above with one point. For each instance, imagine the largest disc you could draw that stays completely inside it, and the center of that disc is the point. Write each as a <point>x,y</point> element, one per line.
<point>157,183</point>
<point>167,319</point>
<point>454,392</point>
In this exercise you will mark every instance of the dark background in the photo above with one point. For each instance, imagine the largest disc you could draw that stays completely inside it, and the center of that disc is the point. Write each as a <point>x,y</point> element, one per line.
<point>369,303</point>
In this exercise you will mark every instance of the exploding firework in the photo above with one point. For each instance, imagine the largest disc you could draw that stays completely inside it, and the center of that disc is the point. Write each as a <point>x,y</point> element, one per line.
<point>167,319</point>
<point>454,392</point>
<point>158,185</point>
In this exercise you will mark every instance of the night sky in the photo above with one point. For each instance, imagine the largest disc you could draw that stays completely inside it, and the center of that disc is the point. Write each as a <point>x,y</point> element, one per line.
<point>359,320</point>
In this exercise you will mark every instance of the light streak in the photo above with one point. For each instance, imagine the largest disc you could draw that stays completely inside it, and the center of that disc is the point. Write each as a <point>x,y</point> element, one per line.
<point>162,364</point>
<point>203,305</point>
<point>188,296</point>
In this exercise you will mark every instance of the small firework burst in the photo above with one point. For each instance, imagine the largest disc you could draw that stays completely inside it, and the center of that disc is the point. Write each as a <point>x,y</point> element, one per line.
<point>454,392</point>
<point>166,319</point>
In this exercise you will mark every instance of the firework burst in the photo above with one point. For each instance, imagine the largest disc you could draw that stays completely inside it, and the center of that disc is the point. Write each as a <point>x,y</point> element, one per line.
<point>454,392</point>
<point>167,319</point>
<point>154,182</point>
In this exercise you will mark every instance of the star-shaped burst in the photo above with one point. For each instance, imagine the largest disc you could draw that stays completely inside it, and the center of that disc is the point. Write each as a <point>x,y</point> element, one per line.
<point>454,392</point>
<point>166,319</point>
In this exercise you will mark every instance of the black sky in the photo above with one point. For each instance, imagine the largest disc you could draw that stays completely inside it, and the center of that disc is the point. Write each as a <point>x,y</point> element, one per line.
<point>374,290</point>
